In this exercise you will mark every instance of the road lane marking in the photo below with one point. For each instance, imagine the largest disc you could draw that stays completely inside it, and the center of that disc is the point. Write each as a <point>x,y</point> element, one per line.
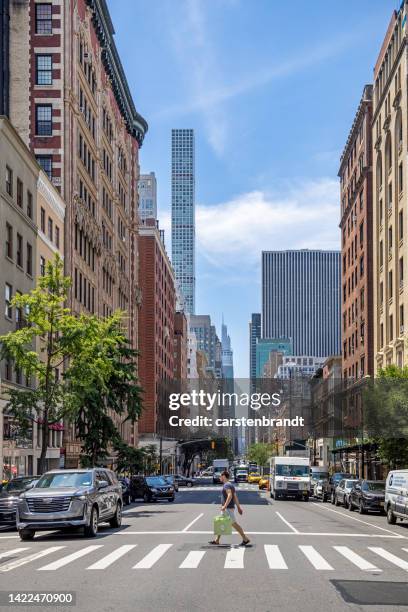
<point>194,521</point>
<point>10,537</point>
<point>13,564</point>
<point>356,559</point>
<point>15,551</point>
<point>287,522</point>
<point>69,558</point>
<point>112,557</point>
<point>234,558</point>
<point>390,557</point>
<point>274,557</point>
<point>153,556</point>
<point>315,558</point>
<point>353,518</point>
<point>282,533</point>
<point>193,559</point>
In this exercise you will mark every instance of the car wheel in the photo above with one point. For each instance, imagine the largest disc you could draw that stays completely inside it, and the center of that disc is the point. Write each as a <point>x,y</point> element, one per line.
<point>146,498</point>
<point>91,530</point>
<point>116,520</point>
<point>336,501</point>
<point>345,502</point>
<point>350,505</point>
<point>26,534</point>
<point>361,508</point>
<point>391,518</point>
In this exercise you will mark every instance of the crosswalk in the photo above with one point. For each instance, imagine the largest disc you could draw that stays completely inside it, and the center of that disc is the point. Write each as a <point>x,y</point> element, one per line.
<point>239,487</point>
<point>272,556</point>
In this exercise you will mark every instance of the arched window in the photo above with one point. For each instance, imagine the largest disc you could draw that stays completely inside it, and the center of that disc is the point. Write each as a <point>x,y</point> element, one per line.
<point>379,171</point>
<point>388,153</point>
<point>398,130</point>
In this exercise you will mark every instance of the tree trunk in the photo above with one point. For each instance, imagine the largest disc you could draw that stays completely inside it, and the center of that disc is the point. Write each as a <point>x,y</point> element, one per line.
<point>42,464</point>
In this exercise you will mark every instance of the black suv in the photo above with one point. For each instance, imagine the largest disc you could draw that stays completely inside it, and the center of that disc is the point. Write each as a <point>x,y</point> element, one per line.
<point>151,488</point>
<point>9,497</point>
<point>367,496</point>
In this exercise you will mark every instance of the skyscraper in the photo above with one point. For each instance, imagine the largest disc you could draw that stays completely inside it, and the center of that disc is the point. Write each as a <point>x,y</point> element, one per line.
<point>301,300</point>
<point>226,353</point>
<point>147,189</point>
<point>254,334</point>
<point>183,213</point>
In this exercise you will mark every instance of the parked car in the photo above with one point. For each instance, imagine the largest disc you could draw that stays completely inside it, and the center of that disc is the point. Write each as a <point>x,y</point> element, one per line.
<point>62,499</point>
<point>367,496</point>
<point>9,495</point>
<point>183,481</point>
<point>342,492</point>
<point>263,482</point>
<point>334,481</point>
<point>151,488</point>
<point>169,478</point>
<point>321,489</point>
<point>396,496</point>
<point>254,477</point>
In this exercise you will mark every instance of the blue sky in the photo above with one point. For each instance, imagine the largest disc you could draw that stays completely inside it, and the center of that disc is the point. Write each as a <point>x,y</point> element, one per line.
<point>271,88</point>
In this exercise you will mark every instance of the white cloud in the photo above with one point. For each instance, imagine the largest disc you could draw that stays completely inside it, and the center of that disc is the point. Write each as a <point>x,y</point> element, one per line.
<point>231,235</point>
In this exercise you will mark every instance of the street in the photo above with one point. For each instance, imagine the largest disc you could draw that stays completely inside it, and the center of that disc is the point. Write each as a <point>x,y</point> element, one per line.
<point>303,556</point>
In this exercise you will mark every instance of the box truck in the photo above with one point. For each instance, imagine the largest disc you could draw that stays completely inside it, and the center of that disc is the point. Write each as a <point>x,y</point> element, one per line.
<point>219,466</point>
<point>290,477</point>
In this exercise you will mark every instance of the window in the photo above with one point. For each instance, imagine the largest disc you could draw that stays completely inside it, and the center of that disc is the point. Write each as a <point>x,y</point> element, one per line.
<point>390,288</point>
<point>42,220</point>
<point>57,236</point>
<point>361,266</point>
<point>401,224</point>
<point>43,70</point>
<point>9,181</point>
<point>29,261</point>
<point>42,265</point>
<point>43,18</point>
<point>381,335</point>
<point>401,318</point>
<point>401,271</point>
<point>400,178</point>
<point>8,293</point>
<point>381,254</point>
<point>390,237</point>
<point>45,161</point>
<point>390,195</point>
<point>19,256</point>
<point>50,229</point>
<point>20,192</point>
<point>29,204</point>
<point>361,233</point>
<point>391,319</point>
<point>43,119</point>
<point>9,241</point>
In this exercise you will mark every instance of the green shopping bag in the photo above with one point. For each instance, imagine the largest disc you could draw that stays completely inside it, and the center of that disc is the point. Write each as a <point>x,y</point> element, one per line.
<point>222,525</point>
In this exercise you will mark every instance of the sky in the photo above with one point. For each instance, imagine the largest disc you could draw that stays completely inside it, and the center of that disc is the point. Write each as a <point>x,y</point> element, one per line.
<point>271,88</point>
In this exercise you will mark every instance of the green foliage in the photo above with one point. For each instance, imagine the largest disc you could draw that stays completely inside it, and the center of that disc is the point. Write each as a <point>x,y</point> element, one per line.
<point>260,452</point>
<point>129,459</point>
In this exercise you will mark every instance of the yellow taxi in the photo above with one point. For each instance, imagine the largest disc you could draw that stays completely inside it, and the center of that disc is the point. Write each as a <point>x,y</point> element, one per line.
<point>263,482</point>
<point>254,477</point>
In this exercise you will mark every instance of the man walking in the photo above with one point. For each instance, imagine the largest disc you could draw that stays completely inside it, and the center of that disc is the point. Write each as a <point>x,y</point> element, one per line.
<point>229,500</point>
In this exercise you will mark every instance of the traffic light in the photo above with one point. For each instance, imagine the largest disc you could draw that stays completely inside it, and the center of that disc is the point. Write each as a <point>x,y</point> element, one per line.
<point>212,444</point>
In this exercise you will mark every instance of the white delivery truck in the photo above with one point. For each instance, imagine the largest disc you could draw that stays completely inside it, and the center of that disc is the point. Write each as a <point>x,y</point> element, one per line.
<point>396,496</point>
<point>219,466</point>
<point>290,477</point>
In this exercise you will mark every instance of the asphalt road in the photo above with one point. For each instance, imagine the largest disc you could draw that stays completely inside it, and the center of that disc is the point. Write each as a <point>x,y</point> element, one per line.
<point>304,556</point>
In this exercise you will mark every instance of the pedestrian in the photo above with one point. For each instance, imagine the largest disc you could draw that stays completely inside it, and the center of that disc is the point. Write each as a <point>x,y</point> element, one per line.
<point>229,500</point>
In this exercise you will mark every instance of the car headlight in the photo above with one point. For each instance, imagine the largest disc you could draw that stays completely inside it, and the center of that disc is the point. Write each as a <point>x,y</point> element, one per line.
<point>80,497</point>
<point>154,490</point>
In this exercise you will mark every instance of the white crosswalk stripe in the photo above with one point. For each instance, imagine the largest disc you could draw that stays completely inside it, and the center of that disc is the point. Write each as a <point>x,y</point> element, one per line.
<point>315,558</point>
<point>19,562</point>
<point>153,556</point>
<point>355,558</point>
<point>112,557</point>
<point>390,557</point>
<point>274,557</point>
<point>10,553</point>
<point>193,559</point>
<point>235,558</point>
<point>70,558</point>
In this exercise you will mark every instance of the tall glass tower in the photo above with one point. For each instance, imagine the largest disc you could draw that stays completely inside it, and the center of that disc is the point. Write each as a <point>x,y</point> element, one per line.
<point>183,213</point>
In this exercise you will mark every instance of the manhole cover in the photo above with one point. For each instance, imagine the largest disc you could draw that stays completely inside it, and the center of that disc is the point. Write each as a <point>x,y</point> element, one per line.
<point>372,593</point>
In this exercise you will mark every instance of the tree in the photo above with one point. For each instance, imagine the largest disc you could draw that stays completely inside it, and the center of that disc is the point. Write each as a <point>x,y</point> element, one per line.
<point>260,452</point>
<point>385,414</point>
<point>49,339</point>
<point>129,459</point>
<point>99,399</point>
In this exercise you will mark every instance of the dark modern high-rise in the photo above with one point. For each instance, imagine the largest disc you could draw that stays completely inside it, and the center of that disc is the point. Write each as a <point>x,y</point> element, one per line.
<point>183,213</point>
<point>254,334</point>
<point>301,300</point>
<point>226,353</point>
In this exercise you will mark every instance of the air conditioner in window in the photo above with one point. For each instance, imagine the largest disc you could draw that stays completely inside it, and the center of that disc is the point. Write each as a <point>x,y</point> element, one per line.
<point>88,56</point>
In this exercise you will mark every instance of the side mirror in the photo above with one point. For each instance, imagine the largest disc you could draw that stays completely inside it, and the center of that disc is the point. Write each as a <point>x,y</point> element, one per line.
<point>102,484</point>
<point>31,485</point>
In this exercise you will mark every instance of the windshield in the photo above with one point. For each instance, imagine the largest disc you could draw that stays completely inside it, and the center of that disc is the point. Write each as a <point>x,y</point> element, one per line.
<point>292,470</point>
<point>349,483</point>
<point>18,485</point>
<point>155,481</point>
<point>68,479</point>
<point>373,486</point>
<point>320,475</point>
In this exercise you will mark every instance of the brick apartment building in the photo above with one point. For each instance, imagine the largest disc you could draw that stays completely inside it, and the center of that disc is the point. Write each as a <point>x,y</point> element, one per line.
<point>70,102</point>
<point>357,245</point>
<point>156,324</point>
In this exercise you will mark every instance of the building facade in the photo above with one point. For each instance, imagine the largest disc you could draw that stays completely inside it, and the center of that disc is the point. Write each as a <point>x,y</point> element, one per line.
<point>357,245</point>
<point>294,366</point>
<point>301,299</point>
<point>390,195</point>
<point>147,190</point>
<point>183,213</point>
<point>227,354</point>
<point>206,337</point>
<point>156,326</point>
<point>180,346</point>
<point>265,346</point>
<point>254,334</point>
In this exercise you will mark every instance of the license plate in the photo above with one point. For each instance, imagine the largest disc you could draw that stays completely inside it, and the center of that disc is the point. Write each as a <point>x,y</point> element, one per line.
<point>382,504</point>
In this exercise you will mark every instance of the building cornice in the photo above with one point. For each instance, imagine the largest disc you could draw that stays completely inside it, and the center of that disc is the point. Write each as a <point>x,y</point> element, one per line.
<point>365,102</point>
<point>136,125</point>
